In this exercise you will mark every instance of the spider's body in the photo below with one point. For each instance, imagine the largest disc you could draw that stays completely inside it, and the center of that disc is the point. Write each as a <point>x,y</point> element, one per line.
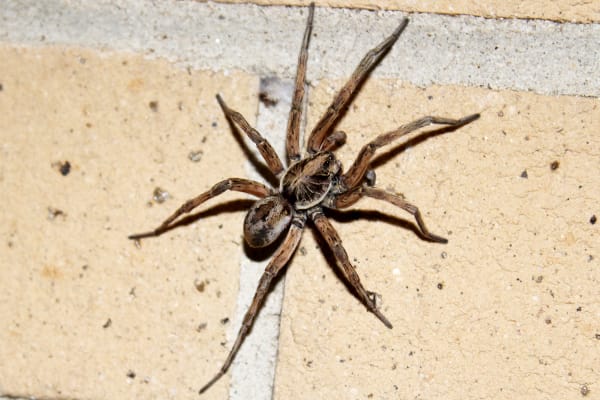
<point>311,184</point>
<point>307,182</point>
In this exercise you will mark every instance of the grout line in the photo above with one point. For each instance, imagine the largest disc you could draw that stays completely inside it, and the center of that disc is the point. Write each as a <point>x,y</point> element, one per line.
<point>253,370</point>
<point>528,55</point>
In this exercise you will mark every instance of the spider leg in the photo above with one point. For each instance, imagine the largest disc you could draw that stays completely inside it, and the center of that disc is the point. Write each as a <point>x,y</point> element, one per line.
<point>332,238</point>
<point>333,141</point>
<point>356,172</point>
<point>264,147</point>
<point>292,142</point>
<point>280,259</point>
<point>348,198</point>
<point>236,184</point>
<point>370,60</point>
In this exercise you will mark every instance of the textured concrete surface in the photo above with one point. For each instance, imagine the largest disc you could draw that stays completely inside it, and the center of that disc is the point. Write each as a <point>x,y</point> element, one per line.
<point>540,56</point>
<point>87,313</point>
<point>507,309</point>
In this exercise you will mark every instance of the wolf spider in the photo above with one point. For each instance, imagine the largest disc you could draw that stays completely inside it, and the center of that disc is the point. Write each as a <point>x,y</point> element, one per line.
<point>310,182</point>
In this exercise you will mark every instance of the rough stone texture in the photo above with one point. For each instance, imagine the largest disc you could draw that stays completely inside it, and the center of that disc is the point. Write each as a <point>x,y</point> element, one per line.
<point>539,56</point>
<point>86,313</point>
<point>509,308</point>
<point>557,10</point>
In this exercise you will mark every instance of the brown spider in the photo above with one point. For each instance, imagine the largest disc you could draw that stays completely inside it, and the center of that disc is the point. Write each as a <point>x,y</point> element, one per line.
<point>310,183</point>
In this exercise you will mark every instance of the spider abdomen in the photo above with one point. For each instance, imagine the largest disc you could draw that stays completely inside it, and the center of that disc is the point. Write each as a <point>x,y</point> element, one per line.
<point>306,183</point>
<point>266,220</point>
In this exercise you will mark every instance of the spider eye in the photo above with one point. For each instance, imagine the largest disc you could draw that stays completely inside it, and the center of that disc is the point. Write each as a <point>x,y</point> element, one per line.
<point>328,161</point>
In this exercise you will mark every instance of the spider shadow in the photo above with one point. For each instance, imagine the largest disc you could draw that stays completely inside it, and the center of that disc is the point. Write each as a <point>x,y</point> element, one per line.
<point>414,141</point>
<point>374,215</point>
<point>221,208</point>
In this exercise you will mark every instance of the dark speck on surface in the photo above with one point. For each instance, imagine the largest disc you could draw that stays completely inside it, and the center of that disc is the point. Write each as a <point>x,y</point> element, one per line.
<point>267,100</point>
<point>202,326</point>
<point>55,212</point>
<point>160,195</point>
<point>65,168</point>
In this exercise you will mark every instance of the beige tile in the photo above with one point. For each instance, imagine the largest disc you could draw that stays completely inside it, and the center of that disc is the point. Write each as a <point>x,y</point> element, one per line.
<point>508,308</point>
<point>87,314</point>
<point>560,10</point>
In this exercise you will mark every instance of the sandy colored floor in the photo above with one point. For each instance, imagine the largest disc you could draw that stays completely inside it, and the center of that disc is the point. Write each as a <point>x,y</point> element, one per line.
<point>89,314</point>
<point>508,309</point>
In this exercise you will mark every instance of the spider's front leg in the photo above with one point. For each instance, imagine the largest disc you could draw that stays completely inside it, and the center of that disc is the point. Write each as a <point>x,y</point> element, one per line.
<point>341,100</point>
<point>355,174</point>
<point>236,184</point>
<point>280,259</point>
<point>292,140</point>
<point>334,242</point>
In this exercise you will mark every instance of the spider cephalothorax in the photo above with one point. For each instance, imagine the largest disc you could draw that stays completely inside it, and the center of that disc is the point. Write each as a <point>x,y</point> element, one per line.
<point>310,184</point>
<point>306,182</point>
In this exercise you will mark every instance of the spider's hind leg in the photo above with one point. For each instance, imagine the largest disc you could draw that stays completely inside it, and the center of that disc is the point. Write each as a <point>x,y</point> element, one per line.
<point>280,259</point>
<point>398,201</point>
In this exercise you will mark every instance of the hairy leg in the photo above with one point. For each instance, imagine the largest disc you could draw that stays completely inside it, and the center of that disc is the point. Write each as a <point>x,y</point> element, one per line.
<point>353,177</point>
<point>352,196</point>
<point>281,257</point>
<point>236,184</point>
<point>332,238</point>
<point>341,100</point>
<point>264,147</point>
<point>292,142</point>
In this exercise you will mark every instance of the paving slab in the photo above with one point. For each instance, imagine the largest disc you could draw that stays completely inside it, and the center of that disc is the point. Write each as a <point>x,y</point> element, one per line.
<point>87,313</point>
<point>507,309</point>
<point>530,55</point>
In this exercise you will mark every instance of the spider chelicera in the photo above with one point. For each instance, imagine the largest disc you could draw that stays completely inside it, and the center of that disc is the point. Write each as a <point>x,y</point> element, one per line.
<point>310,183</point>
